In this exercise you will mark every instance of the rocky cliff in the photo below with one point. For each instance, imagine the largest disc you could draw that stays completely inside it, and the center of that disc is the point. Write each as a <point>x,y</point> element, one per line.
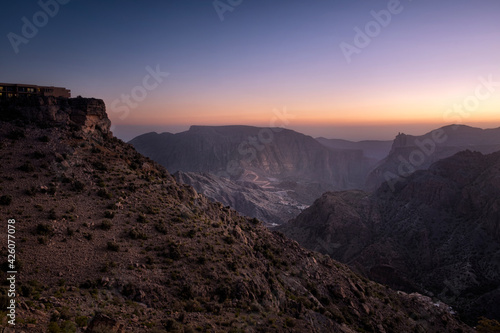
<point>108,241</point>
<point>85,114</point>
<point>437,232</point>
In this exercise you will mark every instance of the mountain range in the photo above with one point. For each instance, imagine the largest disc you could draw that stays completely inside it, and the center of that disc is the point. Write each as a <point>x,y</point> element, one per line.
<point>108,241</point>
<point>410,153</point>
<point>291,170</point>
<point>254,154</point>
<point>436,231</point>
<point>411,225</point>
<point>266,173</point>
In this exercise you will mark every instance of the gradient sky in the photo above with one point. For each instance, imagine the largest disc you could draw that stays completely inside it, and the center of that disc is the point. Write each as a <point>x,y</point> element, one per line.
<point>265,57</point>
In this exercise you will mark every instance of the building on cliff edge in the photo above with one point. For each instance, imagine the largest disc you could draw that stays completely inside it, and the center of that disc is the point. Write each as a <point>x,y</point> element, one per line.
<point>8,90</point>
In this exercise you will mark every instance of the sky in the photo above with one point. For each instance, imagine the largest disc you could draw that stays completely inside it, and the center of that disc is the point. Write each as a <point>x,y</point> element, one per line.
<point>355,70</point>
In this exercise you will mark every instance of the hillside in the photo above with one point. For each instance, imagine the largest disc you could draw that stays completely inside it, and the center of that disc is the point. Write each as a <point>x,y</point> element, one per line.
<point>438,232</point>
<point>105,233</point>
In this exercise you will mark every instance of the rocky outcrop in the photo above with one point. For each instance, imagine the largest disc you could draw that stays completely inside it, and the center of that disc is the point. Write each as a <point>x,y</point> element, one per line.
<point>86,114</point>
<point>437,232</point>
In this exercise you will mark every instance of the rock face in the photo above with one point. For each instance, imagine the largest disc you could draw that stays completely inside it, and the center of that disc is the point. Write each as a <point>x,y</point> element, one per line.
<point>410,153</point>
<point>87,114</point>
<point>102,228</point>
<point>272,207</point>
<point>252,153</point>
<point>437,232</point>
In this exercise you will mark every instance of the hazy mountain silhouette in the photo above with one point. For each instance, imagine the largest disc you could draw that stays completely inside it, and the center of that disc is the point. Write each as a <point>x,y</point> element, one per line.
<point>375,150</point>
<point>410,153</point>
<point>248,153</point>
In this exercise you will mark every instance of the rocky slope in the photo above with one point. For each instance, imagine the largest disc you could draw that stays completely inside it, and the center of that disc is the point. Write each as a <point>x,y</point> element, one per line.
<point>410,153</point>
<point>106,234</point>
<point>253,153</point>
<point>272,206</point>
<point>437,232</point>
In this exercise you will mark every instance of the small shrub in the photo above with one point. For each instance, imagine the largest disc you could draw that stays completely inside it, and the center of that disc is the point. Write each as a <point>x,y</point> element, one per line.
<point>135,234</point>
<point>54,328</point>
<point>81,321</point>
<point>201,260</point>
<point>5,200</point>
<point>289,322</point>
<point>161,227</point>
<point>27,167</point>
<point>68,327</point>
<point>16,134</point>
<point>112,246</point>
<point>142,218</point>
<point>31,191</point>
<point>186,292</point>
<point>104,194</point>
<point>44,229</point>
<point>52,214</point>
<point>100,166</point>
<point>38,155</point>
<point>109,214</point>
<point>106,225</point>
<point>229,239</point>
<point>78,186</point>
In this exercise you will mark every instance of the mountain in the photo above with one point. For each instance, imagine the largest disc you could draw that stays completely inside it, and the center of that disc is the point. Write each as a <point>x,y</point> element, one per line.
<point>254,154</point>
<point>437,231</point>
<point>410,153</point>
<point>375,150</point>
<point>107,240</point>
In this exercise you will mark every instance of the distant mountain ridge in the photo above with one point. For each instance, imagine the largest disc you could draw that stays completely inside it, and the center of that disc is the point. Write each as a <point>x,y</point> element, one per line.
<point>253,153</point>
<point>373,149</point>
<point>410,153</point>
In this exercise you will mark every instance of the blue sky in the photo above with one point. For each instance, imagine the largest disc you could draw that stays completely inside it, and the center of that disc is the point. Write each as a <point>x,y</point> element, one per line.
<point>264,55</point>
